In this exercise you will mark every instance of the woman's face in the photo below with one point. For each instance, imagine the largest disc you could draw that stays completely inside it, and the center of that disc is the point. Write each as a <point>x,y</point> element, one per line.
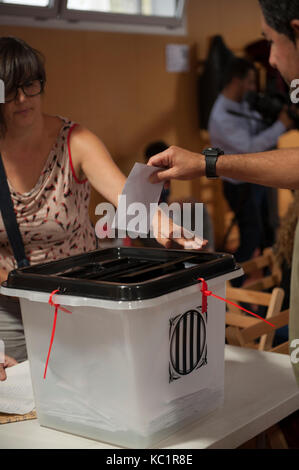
<point>22,112</point>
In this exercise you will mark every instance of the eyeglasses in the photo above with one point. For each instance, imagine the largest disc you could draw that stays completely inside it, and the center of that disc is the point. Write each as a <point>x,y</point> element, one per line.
<point>31,88</point>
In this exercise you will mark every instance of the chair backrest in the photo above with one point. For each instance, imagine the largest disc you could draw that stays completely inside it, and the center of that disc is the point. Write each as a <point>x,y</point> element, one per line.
<point>241,327</point>
<point>239,323</point>
<point>257,265</point>
<point>245,333</point>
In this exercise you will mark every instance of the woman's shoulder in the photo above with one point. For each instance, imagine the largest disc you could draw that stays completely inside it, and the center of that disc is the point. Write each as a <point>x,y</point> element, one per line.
<point>82,136</point>
<point>56,124</point>
<point>78,137</point>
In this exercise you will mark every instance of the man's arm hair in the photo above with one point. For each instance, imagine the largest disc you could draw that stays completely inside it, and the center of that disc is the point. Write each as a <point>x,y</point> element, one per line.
<point>278,168</point>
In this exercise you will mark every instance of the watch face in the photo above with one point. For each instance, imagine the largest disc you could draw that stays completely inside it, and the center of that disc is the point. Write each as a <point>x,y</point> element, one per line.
<point>213,152</point>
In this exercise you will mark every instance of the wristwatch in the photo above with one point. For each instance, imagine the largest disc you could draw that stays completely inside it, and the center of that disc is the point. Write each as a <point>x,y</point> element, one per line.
<point>212,155</point>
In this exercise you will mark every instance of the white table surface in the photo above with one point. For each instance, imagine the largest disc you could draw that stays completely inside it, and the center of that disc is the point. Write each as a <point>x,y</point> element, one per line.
<point>260,390</point>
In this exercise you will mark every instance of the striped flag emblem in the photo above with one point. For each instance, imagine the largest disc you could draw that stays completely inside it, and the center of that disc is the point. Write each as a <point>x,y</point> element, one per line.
<point>188,348</point>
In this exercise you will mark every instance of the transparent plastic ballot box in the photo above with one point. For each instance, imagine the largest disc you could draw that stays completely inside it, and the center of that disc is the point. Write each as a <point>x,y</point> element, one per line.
<point>138,357</point>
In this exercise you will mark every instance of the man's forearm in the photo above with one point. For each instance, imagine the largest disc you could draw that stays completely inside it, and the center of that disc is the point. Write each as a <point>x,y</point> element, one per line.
<point>279,168</point>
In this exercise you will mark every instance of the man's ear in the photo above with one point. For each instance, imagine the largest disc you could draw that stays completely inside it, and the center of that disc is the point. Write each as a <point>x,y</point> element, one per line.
<point>295,27</point>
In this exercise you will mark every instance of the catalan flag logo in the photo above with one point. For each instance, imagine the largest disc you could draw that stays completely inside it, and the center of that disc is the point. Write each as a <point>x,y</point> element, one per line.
<point>188,343</point>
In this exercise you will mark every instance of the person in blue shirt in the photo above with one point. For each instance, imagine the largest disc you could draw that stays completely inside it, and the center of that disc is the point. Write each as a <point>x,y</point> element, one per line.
<point>235,128</point>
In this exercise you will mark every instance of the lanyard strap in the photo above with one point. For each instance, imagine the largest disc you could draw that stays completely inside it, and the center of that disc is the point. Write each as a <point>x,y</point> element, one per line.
<point>10,221</point>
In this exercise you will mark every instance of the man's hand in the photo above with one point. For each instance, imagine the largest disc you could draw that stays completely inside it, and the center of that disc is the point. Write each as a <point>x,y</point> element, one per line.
<point>178,163</point>
<point>8,362</point>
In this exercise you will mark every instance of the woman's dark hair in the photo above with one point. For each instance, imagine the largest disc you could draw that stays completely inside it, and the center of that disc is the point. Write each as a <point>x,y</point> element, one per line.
<point>279,14</point>
<point>19,63</point>
<point>237,68</point>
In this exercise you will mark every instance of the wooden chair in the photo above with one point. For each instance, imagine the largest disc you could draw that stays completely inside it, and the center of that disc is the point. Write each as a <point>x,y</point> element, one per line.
<point>257,265</point>
<point>239,325</point>
<point>254,333</point>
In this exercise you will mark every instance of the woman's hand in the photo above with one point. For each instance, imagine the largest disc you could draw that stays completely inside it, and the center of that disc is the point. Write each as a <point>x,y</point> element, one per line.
<point>8,362</point>
<point>166,232</point>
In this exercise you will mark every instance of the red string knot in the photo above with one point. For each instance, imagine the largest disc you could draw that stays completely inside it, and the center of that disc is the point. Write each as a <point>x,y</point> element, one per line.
<point>208,293</point>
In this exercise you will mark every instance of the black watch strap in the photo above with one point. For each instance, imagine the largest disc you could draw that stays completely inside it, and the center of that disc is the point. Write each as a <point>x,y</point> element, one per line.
<point>212,155</point>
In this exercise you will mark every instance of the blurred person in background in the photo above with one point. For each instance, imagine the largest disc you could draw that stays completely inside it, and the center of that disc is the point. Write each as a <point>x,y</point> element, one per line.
<point>235,128</point>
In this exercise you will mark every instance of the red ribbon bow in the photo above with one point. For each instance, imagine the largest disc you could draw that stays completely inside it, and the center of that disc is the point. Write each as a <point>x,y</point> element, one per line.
<point>57,306</point>
<point>206,293</point>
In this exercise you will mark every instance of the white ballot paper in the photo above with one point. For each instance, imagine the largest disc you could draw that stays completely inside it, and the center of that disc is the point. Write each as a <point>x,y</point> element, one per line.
<point>136,204</point>
<point>16,394</point>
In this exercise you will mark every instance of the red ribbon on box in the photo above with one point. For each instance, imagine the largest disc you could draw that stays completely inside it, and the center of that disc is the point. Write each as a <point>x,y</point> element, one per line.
<point>57,307</point>
<point>206,293</point>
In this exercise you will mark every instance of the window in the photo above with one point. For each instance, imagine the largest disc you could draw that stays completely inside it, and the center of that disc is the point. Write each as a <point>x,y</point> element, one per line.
<point>167,13</point>
<point>135,7</point>
<point>112,6</point>
<point>39,8</point>
<point>32,3</point>
<point>163,12</point>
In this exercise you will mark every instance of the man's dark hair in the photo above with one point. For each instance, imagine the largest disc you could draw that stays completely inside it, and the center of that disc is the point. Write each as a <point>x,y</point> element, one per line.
<point>19,63</point>
<point>237,68</point>
<point>279,14</point>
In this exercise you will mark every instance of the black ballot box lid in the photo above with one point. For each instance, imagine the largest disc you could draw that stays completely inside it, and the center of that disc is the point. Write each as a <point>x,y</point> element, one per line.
<point>123,274</point>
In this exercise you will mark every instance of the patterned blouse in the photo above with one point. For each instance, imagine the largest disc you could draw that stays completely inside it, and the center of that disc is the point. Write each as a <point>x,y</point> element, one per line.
<point>53,216</point>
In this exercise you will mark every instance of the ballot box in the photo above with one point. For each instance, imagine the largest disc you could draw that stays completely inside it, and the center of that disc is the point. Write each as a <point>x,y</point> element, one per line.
<point>135,356</point>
